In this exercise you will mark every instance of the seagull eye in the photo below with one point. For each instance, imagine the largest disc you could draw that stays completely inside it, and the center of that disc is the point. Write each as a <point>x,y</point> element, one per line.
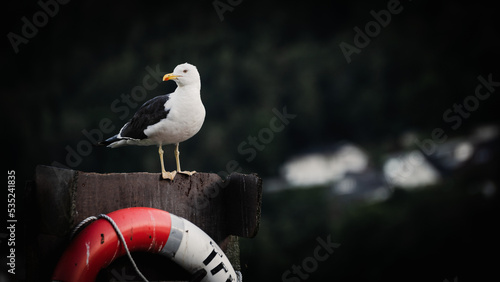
<point>184,71</point>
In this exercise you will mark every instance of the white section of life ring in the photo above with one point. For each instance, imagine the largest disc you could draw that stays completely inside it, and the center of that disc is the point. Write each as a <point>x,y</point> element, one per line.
<point>193,249</point>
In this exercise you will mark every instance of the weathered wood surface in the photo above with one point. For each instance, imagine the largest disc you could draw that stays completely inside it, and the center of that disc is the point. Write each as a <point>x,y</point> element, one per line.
<point>63,198</point>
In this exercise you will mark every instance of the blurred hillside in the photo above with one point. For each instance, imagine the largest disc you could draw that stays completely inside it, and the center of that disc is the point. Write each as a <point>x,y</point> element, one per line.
<point>408,92</point>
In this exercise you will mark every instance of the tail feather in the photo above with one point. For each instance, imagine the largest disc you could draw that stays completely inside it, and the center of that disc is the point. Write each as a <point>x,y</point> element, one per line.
<point>108,141</point>
<point>118,141</point>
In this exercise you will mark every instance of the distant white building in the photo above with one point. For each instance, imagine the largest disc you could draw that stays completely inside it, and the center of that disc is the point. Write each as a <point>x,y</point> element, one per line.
<point>409,170</point>
<point>324,167</point>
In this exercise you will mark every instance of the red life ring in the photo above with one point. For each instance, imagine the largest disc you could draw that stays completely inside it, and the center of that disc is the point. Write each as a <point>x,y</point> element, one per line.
<point>144,229</point>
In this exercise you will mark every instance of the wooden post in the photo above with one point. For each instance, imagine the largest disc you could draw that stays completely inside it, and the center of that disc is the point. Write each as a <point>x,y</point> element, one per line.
<point>63,198</point>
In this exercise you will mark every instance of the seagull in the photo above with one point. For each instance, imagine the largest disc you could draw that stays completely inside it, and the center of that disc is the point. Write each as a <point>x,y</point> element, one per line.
<point>166,119</point>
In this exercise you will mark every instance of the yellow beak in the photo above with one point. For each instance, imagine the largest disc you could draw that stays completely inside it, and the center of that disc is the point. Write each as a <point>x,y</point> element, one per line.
<point>169,76</point>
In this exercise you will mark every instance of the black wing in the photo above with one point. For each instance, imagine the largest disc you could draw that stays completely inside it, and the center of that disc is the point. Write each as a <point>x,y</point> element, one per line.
<point>150,113</point>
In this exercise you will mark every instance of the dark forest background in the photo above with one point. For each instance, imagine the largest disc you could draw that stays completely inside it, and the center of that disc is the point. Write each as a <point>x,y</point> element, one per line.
<point>257,56</point>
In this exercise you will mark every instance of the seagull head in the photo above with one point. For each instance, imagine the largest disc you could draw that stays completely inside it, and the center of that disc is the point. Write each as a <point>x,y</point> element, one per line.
<point>184,74</point>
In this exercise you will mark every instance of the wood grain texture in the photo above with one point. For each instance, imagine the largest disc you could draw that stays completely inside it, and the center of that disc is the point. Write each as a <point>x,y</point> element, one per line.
<point>222,208</point>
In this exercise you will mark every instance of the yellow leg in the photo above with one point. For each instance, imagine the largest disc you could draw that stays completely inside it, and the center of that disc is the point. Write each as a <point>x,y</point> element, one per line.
<point>177,153</point>
<point>177,161</point>
<point>165,174</point>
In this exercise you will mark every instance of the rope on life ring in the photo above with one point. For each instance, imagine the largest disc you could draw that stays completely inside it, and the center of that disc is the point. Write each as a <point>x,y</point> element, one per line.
<point>142,229</point>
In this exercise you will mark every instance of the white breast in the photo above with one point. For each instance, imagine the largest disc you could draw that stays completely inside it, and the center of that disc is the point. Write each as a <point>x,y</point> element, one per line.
<point>184,120</point>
